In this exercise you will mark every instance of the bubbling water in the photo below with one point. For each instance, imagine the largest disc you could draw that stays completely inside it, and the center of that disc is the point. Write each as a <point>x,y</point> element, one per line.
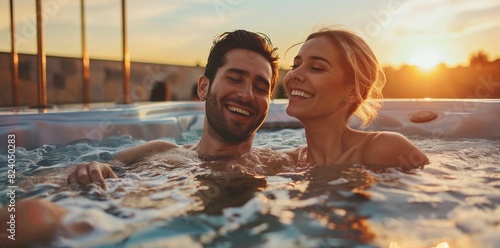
<point>183,200</point>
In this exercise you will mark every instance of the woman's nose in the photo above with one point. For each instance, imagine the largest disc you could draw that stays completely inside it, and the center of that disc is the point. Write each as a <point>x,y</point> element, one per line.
<point>296,75</point>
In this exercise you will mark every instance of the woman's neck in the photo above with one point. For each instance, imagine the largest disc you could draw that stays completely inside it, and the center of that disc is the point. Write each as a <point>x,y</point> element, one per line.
<point>325,141</point>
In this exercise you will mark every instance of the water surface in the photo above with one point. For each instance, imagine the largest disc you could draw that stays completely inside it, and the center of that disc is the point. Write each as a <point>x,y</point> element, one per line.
<point>184,201</point>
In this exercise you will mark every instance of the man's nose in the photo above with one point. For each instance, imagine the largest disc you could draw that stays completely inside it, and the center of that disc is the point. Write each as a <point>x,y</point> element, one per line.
<point>246,92</point>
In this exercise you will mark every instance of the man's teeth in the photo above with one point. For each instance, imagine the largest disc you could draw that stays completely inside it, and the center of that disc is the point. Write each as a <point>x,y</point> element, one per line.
<point>300,93</point>
<point>238,110</point>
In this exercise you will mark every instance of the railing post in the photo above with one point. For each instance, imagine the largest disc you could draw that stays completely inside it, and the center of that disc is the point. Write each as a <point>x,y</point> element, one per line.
<point>126,57</point>
<point>85,58</point>
<point>41,58</point>
<point>14,58</point>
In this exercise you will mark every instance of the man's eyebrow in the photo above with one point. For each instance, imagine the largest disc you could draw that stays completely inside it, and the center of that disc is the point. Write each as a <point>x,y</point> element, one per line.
<point>246,73</point>
<point>238,71</point>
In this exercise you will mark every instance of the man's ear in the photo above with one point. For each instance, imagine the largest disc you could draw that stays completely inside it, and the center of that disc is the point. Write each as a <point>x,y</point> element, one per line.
<point>203,84</point>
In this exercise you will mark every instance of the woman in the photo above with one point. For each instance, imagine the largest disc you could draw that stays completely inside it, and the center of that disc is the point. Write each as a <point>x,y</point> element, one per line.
<point>335,75</point>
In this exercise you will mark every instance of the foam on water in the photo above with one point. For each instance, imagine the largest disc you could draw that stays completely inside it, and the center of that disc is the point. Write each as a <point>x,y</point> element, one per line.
<point>184,201</point>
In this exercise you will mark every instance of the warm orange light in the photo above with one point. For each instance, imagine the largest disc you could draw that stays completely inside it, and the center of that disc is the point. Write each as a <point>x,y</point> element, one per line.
<point>426,58</point>
<point>442,245</point>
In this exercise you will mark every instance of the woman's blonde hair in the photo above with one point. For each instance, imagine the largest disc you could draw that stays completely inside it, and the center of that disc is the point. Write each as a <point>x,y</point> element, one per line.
<point>361,68</point>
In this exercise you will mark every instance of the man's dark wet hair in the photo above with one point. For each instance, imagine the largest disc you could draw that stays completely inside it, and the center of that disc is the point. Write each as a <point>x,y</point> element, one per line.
<point>241,39</point>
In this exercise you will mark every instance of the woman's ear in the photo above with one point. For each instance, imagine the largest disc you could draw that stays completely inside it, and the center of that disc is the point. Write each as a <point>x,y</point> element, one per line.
<point>203,84</point>
<point>352,96</point>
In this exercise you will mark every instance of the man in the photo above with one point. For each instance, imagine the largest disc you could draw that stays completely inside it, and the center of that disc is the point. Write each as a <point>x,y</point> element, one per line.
<point>239,78</point>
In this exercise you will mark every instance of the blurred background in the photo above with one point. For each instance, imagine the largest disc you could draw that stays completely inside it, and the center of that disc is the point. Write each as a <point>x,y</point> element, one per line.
<point>428,48</point>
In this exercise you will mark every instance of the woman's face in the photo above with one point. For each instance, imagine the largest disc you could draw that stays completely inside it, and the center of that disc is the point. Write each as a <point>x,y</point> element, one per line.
<point>315,84</point>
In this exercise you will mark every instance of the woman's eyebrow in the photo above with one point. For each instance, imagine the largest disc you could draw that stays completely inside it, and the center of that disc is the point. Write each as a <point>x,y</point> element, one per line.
<point>298,57</point>
<point>321,58</point>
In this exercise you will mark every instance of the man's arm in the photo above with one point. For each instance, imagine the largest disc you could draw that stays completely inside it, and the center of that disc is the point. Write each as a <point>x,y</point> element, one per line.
<point>96,172</point>
<point>93,172</point>
<point>137,153</point>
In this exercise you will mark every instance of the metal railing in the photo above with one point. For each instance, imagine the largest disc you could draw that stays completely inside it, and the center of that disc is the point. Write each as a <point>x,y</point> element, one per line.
<point>14,58</point>
<point>85,58</point>
<point>41,59</point>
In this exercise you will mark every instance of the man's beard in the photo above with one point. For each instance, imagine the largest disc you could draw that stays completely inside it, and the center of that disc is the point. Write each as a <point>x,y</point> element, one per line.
<point>229,132</point>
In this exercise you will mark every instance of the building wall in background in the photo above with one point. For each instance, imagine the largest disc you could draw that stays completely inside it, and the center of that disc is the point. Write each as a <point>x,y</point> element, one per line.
<point>64,80</point>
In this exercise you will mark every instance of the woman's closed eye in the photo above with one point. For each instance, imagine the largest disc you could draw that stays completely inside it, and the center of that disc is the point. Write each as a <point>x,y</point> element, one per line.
<point>313,68</point>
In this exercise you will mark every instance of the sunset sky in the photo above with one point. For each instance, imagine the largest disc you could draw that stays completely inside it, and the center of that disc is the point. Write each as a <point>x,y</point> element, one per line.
<point>424,32</point>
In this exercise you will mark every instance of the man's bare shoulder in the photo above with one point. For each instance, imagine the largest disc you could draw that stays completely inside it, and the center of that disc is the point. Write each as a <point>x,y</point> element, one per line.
<point>293,152</point>
<point>134,153</point>
<point>160,145</point>
<point>153,146</point>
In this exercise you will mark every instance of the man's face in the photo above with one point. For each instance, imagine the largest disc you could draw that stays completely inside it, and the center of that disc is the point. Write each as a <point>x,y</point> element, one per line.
<point>238,99</point>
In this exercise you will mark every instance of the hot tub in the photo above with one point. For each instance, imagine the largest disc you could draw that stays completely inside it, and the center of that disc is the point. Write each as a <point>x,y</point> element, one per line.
<point>452,202</point>
<point>146,121</point>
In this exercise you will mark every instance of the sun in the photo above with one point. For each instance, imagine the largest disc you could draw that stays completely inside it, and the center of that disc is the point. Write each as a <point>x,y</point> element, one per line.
<point>426,58</point>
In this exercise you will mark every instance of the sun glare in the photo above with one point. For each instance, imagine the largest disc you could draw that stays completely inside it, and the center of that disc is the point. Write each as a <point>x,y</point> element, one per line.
<point>426,58</point>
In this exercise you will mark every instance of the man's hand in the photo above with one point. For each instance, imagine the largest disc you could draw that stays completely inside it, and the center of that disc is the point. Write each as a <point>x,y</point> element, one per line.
<point>93,172</point>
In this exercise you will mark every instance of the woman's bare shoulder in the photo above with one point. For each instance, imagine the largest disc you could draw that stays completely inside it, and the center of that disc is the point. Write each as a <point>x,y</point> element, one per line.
<point>393,139</point>
<point>392,149</point>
